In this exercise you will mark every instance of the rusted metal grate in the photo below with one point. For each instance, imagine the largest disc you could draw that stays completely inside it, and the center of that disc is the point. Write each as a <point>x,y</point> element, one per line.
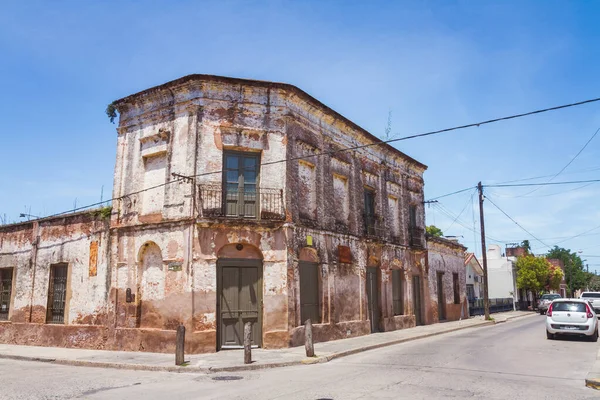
<point>5,292</point>
<point>57,292</point>
<point>253,203</point>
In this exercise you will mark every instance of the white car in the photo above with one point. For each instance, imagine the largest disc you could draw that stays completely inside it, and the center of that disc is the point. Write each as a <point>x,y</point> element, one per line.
<point>571,317</point>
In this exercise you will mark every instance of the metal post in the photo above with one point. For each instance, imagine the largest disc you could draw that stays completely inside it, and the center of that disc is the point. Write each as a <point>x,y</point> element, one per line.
<point>486,300</point>
<point>180,345</point>
<point>308,339</point>
<point>247,343</point>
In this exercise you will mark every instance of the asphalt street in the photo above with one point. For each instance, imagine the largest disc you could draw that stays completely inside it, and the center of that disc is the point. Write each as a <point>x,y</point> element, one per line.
<point>507,361</point>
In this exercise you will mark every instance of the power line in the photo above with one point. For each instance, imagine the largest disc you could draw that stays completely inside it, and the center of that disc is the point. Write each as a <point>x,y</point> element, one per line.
<point>569,163</point>
<point>461,211</point>
<point>453,193</point>
<point>544,183</point>
<point>519,225</point>
<point>547,176</point>
<point>377,143</point>
<point>451,215</point>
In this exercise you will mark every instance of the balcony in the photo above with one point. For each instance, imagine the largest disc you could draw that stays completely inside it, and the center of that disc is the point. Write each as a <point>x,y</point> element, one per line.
<point>257,203</point>
<point>374,227</point>
<point>417,236</point>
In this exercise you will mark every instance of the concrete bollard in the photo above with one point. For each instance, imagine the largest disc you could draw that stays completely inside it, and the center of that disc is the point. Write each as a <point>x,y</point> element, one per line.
<point>308,339</point>
<point>247,343</point>
<point>180,345</point>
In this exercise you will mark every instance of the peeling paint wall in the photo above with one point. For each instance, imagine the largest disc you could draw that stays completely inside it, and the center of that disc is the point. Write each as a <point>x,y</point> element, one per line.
<point>158,268</point>
<point>446,257</point>
<point>79,240</point>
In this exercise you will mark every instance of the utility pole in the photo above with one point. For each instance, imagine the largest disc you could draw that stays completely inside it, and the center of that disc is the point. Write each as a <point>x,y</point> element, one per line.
<point>486,300</point>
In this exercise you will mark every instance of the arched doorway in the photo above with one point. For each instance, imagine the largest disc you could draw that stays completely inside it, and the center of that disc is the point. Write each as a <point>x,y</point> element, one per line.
<point>151,285</point>
<point>239,295</point>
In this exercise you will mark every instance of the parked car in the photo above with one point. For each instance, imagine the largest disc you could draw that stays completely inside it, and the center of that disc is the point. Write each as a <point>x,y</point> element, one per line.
<point>593,298</point>
<point>571,317</point>
<point>545,301</point>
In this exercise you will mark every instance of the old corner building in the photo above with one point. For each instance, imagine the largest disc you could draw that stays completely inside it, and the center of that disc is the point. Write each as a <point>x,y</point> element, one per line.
<point>210,229</point>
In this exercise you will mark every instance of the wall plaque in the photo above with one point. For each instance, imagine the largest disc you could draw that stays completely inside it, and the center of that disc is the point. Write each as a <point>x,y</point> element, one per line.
<point>344,254</point>
<point>175,266</point>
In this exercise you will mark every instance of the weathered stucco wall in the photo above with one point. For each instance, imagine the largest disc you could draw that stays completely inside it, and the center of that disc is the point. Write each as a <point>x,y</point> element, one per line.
<point>446,257</point>
<point>81,241</point>
<point>158,267</point>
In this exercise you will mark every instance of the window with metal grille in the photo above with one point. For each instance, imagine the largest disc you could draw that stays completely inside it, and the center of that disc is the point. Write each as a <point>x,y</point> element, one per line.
<point>397,292</point>
<point>239,184</point>
<point>370,211</point>
<point>309,292</point>
<point>57,292</point>
<point>5,292</point>
<point>456,288</point>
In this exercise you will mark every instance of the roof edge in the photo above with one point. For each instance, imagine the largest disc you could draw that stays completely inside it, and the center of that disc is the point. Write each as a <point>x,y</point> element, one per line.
<point>278,85</point>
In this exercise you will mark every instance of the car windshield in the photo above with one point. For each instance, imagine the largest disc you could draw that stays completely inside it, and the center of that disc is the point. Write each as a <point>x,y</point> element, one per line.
<point>568,306</point>
<point>591,294</point>
<point>550,296</point>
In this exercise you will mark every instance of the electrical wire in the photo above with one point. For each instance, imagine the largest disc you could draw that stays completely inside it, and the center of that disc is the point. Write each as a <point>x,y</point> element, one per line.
<point>519,225</point>
<point>544,183</point>
<point>376,143</point>
<point>566,166</point>
<point>469,200</point>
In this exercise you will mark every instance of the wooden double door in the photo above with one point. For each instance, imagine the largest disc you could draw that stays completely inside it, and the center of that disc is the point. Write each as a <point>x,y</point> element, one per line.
<point>239,288</point>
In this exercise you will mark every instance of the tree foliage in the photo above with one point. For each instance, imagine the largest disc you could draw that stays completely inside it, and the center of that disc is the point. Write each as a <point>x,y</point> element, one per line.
<point>525,244</point>
<point>536,274</point>
<point>594,283</point>
<point>434,231</point>
<point>555,277</point>
<point>575,276</point>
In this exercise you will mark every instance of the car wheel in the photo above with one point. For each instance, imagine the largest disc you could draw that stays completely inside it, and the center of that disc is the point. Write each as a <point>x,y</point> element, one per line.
<point>594,337</point>
<point>541,312</point>
<point>549,335</point>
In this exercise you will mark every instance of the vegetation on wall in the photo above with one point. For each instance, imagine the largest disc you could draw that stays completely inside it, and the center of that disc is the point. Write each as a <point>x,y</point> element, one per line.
<point>102,213</point>
<point>111,112</point>
<point>434,231</point>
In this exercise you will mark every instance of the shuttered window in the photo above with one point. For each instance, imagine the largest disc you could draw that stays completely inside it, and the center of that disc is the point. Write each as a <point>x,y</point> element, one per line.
<point>456,288</point>
<point>397,292</point>
<point>5,292</point>
<point>309,292</point>
<point>57,293</point>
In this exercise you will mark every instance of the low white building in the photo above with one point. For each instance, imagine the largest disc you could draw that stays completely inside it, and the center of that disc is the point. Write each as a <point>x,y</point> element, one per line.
<point>474,276</point>
<point>502,275</point>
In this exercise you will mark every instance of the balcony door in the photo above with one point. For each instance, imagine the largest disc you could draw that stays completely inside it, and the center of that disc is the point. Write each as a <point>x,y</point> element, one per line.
<point>240,189</point>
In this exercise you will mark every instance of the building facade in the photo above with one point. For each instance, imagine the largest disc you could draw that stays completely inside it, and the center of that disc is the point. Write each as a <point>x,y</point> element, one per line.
<point>447,300</point>
<point>234,201</point>
<point>474,277</point>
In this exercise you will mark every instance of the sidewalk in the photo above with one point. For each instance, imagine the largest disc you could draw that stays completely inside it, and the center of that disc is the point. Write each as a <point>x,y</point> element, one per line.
<point>593,377</point>
<point>232,360</point>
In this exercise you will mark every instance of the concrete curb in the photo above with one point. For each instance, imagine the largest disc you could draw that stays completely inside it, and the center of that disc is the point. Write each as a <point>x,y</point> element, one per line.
<point>592,380</point>
<point>249,367</point>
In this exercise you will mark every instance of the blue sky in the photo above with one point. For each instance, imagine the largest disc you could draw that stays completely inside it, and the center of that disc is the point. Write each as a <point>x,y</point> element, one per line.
<point>434,64</point>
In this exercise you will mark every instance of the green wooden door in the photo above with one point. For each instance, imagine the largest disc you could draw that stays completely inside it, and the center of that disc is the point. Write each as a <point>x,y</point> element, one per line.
<point>239,302</point>
<point>309,292</point>
<point>373,299</point>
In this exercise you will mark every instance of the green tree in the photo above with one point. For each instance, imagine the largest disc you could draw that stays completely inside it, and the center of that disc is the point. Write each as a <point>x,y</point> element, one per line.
<point>534,273</point>
<point>594,283</point>
<point>575,276</point>
<point>525,244</point>
<point>555,277</point>
<point>434,231</point>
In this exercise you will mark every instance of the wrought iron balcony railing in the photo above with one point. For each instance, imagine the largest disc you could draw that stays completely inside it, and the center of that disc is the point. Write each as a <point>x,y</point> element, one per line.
<point>254,203</point>
<point>374,227</point>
